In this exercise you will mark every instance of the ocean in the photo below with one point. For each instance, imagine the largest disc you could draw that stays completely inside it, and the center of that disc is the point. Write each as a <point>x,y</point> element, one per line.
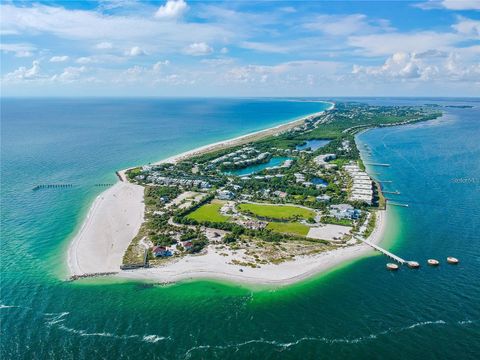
<point>358,310</point>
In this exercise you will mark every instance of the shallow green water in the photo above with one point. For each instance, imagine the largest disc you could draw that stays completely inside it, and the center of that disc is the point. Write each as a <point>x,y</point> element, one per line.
<point>358,310</point>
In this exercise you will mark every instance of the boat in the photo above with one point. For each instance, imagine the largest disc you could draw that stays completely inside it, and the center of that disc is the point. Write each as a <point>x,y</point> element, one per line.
<point>413,264</point>
<point>433,262</point>
<point>392,266</point>
<point>452,260</point>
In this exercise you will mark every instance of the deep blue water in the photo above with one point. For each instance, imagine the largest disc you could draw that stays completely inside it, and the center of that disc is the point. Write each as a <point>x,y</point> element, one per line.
<point>358,311</point>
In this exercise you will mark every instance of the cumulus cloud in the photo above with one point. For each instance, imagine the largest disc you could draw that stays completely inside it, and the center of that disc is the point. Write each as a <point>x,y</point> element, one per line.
<point>198,49</point>
<point>173,9</point>
<point>135,51</point>
<point>468,27</point>
<point>70,74</point>
<point>157,67</point>
<point>428,66</point>
<point>56,59</point>
<point>24,73</point>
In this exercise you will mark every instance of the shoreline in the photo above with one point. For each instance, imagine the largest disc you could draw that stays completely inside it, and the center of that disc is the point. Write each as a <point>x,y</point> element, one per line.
<point>118,212</point>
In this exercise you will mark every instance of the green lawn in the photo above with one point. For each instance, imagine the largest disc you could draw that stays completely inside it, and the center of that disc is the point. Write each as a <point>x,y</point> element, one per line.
<point>276,211</point>
<point>208,212</point>
<point>289,228</point>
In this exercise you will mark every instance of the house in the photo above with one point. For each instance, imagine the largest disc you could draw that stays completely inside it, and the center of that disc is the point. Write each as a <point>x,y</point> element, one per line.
<point>344,211</point>
<point>280,194</point>
<point>323,198</point>
<point>187,245</point>
<point>161,251</point>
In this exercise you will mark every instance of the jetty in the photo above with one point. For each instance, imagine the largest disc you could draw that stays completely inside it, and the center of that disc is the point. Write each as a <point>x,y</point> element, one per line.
<point>396,192</point>
<point>52,186</point>
<point>383,251</point>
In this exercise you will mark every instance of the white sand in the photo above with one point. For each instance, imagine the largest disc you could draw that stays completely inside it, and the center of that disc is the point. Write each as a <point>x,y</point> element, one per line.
<point>112,222</point>
<point>215,266</point>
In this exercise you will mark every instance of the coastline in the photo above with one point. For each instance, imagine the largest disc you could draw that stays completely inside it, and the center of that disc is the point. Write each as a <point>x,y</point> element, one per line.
<point>117,214</point>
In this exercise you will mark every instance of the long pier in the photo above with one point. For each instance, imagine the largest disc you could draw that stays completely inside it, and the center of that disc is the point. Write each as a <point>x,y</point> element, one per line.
<point>377,164</point>
<point>396,192</point>
<point>383,251</point>
<point>396,204</point>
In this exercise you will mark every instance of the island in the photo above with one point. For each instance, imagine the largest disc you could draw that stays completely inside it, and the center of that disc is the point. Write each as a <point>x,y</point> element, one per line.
<point>269,208</point>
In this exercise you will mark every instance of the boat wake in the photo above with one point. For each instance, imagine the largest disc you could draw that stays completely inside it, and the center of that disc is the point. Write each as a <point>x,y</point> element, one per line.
<point>58,319</point>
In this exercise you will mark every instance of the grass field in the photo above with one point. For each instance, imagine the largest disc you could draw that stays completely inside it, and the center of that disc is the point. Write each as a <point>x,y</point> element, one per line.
<point>208,212</point>
<point>276,211</point>
<point>289,228</point>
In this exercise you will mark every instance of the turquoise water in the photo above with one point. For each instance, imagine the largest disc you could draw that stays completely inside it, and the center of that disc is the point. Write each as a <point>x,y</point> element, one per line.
<point>313,144</point>
<point>252,169</point>
<point>359,310</point>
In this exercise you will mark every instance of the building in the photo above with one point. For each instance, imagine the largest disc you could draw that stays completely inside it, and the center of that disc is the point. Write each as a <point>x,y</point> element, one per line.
<point>161,251</point>
<point>225,195</point>
<point>323,198</point>
<point>344,211</point>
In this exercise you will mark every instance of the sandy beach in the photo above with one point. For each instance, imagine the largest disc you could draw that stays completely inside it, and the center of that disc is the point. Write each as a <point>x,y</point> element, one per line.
<point>117,214</point>
<point>111,223</point>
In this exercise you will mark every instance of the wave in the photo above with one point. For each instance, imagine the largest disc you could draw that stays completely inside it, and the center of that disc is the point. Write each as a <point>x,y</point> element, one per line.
<point>285,345</point>
<point>2,306</point>
<point>59,319</point>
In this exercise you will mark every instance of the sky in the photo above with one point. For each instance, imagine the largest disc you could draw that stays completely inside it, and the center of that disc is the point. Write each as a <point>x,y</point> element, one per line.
<point>240,48</point>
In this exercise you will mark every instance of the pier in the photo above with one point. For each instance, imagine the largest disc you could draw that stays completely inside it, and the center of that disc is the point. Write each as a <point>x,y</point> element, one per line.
<point>377,164</point>
<point>383,251</point>
<point>396,192</point>
<point>396,204</point>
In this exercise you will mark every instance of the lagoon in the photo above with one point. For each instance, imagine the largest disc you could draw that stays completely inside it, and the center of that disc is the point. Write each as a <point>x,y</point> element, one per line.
<point>313,144</point>
<point>252,169</point>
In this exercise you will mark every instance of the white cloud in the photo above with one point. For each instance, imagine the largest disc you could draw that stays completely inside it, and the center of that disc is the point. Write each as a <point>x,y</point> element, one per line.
<point>84,60</point>
<point>224,50</point>
<point>461,4</point>
<point>449,4</point>
<point>70,74</point>
<point>390,43</point>
<point>341,25</point>
<point>104,45</point>
<point>468,27</point>
<point>62,58</point>
<point>135,51</point>
<point>158,66</point>
<point>19,50</point>
<point>430,66</point>
<point>24,73</point>
<point>173,9</point>
<point>198,49</point>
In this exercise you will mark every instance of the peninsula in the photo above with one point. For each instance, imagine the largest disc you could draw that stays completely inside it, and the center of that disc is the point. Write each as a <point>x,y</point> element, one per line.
<point>272,207</point>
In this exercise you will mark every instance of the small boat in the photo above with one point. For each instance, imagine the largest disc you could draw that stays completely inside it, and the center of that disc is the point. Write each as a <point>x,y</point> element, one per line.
<point>392,266</point>
<point>413,264</point>
<point>452,260</point>
<point>433,262</point>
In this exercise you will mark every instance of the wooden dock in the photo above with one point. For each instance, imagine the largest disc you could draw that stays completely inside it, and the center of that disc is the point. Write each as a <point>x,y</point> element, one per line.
<point>395,203</point>
<point>383,251</point>
<point>391,192</point>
